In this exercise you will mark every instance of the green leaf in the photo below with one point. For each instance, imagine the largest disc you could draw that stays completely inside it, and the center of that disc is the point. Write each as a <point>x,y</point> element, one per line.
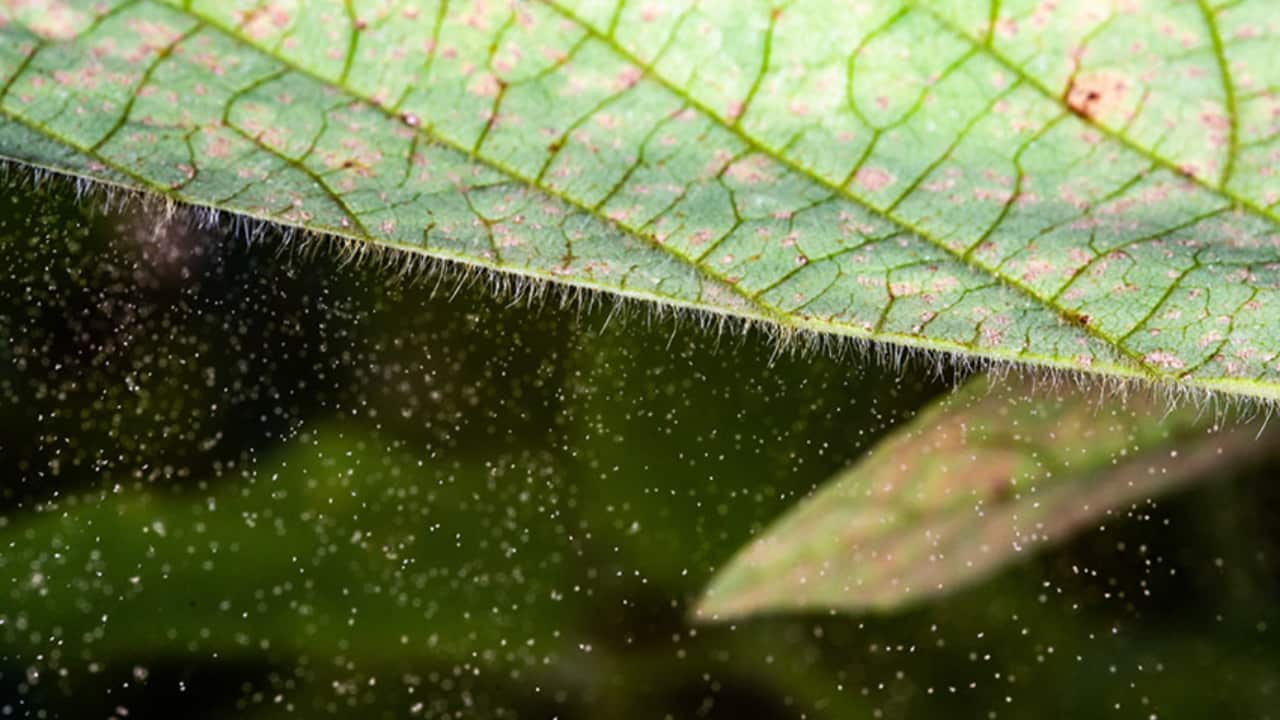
<point>995,472</point>
<point>1083,186</point>
<point>283,554</point>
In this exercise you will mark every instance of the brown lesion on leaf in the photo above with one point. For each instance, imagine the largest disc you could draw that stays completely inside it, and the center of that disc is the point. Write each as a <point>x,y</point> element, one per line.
<point>1090,96</point>
<point>1075,318</point>
<point>1080,101</point>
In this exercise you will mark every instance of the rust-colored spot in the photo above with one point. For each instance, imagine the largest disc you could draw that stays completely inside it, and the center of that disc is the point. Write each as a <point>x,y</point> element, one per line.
<point>1091,96</point>
<point>1076,318</point>
<point>1081,101</point>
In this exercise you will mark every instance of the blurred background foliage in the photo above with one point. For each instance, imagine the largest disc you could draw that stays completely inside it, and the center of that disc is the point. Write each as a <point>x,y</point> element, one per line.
<point>254,478</point>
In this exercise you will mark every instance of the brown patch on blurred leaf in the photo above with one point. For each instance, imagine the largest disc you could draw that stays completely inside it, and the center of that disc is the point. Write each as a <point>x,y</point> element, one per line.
<point>992,473</point>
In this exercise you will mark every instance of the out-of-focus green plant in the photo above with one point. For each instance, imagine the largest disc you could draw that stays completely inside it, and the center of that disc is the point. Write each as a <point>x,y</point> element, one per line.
<point>997,470</point>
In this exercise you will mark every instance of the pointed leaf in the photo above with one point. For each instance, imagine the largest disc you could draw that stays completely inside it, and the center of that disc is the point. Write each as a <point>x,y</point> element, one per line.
<point>1088,186</point>
<point>987,476</point>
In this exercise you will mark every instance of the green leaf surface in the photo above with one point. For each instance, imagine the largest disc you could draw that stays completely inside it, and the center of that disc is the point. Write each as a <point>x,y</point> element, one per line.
<point>994,473</point>
<point>1080,185</point>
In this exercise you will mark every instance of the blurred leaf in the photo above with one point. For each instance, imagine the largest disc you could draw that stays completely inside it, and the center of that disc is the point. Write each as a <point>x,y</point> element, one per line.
<point>339,544</point>
<point>992,473</point>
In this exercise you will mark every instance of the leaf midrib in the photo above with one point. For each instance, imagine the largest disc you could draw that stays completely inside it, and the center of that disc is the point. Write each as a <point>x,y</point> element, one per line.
<point>763,311</point>
<point>1065,315</point>
<point>768,311</point>
<point>1139,367</point>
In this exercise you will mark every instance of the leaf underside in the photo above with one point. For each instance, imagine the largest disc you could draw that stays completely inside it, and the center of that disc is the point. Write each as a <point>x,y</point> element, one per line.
<point>1077,185</point>
<point>987,477</point>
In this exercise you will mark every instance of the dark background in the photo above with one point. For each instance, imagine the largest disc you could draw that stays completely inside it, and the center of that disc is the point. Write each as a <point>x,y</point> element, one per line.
<point>254,476</point>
